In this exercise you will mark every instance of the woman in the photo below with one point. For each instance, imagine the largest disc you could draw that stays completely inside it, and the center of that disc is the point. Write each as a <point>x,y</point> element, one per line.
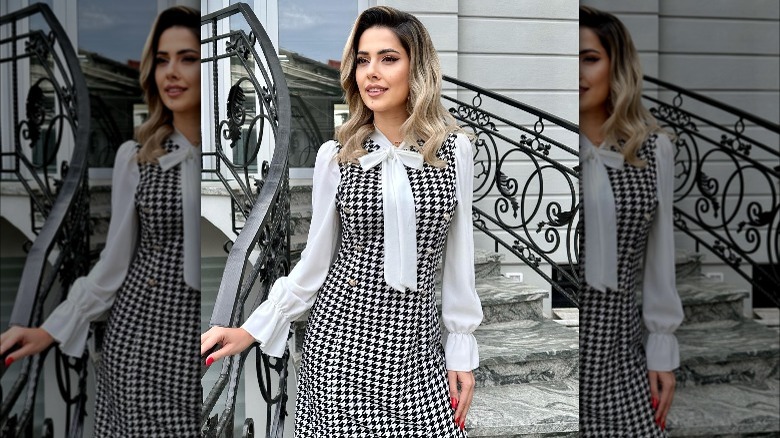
<point>387,196</point>
<point>148,275</point>
<point>628,184</point>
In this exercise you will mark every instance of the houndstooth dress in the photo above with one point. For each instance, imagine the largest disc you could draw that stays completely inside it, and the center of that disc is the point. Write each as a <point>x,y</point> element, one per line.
<point>614,387</point>
<point>148,384</point>
<point>373,363</point>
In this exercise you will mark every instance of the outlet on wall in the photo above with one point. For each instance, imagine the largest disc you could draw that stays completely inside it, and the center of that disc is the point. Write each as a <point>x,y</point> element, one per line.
<point>717,276</point>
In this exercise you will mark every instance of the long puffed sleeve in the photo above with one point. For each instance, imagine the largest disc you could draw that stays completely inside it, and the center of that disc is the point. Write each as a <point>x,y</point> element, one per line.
<point>293,295</point>
<point>461,308</point>
<point>661,307</point>
<point>91,295</point>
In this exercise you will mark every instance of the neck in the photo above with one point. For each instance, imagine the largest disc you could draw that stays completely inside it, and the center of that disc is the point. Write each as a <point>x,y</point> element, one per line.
<point>390,125</point>
<point>591,124</point>
<point>189,126</point>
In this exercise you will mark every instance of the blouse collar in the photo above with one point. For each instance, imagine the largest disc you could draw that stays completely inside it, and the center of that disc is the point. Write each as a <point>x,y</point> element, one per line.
<point>188,156</point>
<point>600,215</point>
<point>400,226</point>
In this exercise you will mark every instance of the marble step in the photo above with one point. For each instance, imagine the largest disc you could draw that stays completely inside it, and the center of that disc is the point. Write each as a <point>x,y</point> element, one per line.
<point>525,351</point>
<point>705,299</point>
<point>536,409</point>
<point>727,351</point>
<point>744,409</point>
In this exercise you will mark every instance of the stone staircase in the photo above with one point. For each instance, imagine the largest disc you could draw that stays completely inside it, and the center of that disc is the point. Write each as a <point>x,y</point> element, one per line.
<point>728,383</point>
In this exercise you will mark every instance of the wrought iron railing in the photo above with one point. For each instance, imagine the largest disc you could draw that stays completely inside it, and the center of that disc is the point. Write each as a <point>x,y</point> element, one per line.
<point>257,113</point>
<point>41,67</point>
<point>533,215</point>
<point>727,181</point>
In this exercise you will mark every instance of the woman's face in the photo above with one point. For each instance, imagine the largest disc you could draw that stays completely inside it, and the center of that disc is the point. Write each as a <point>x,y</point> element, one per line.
<point>382,72</point>
<point>177,71</point>
<point>594,72</point>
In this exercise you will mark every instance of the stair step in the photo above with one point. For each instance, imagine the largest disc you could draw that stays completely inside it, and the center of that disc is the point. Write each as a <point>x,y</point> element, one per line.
<point>726,410</point>
<point>537,409</point>
<point>705,299</point>
<point>525,351</point>
<point>506,299</point>
<point>727,351</point>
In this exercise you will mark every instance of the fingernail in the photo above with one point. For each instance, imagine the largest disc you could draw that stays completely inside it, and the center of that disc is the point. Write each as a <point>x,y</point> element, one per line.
<point>452,402</point>
<point>209,361</point>
<point>655,403</point>
<point>463,424</point>
<point>663,425</point>
<point>456,420</point>
<point>8,361</point>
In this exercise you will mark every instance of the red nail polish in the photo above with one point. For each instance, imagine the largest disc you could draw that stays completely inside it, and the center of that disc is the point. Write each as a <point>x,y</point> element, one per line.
<point>663,425</point>
<point>8,361</point>
<point>209,361</point>
<point>463,424</point>
<point>456,421</point>
<point>452,402</point>
<point>655,403</point>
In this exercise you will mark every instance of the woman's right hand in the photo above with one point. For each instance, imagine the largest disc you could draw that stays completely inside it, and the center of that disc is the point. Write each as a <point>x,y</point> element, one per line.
<point>30,340</point>
<point>233,341</point>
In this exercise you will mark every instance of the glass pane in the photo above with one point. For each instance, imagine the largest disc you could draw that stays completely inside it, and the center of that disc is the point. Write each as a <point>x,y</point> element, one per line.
<point>111,38</point>
<point>311,38</point>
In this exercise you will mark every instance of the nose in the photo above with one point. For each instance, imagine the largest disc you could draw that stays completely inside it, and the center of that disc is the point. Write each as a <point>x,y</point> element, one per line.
<point>371,72</point>
<point>172,69</point>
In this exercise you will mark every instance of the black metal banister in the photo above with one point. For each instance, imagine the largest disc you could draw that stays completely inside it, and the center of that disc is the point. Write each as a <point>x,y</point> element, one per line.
<point>262,203</point>
<point>57,107</point>
<point>742,234</point>
<point>533,220</point>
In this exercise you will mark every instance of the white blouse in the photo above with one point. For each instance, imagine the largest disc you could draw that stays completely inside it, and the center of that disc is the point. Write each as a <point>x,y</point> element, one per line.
<point>662,309</point>
<point>291,296</point>
<point>92,295</point>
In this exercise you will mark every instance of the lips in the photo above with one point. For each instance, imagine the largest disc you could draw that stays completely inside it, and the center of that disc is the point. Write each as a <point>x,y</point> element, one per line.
<point>375,90</point>
<point>174,90</point>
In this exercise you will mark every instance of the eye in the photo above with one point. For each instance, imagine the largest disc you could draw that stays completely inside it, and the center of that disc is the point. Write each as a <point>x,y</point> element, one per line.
<point>160,60</point>
<point>591,59</point>
<point>389,59</point>
<point>362,61</point>
<point>191,59</point>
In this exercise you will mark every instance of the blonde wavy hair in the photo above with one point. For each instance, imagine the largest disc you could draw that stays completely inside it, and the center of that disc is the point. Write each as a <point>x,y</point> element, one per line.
<point>629,122</point>
<point>428,120</point>
<point>159,124</point>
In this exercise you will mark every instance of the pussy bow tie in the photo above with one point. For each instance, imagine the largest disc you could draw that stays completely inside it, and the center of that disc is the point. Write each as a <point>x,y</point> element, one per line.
<point>189,157</point>
<point>600,217</point>
<point>400,226</point>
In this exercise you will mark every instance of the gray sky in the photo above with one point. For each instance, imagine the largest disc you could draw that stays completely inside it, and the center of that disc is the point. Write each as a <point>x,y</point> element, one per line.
<point>314,28</point>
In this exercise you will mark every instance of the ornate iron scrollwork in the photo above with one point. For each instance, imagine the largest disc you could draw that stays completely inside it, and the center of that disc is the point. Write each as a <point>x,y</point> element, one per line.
<point>538,223</point>
<point>258,110</point>
<point>718,169</point>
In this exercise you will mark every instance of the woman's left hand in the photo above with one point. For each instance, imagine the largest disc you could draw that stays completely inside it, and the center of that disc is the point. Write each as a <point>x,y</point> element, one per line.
<point>461,401</point>
<point>662,385</point>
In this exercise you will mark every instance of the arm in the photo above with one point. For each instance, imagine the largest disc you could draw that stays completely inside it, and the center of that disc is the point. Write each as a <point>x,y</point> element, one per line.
<point>461,308</point>
<point>661,307</point>
<point>293,295</point>
<point>93,294</point>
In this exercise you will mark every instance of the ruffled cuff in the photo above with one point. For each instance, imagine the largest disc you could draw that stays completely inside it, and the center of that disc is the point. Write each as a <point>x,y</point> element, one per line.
<point>67,325</point>
<point>268,325</point>
<point>461,352</point>
<point>663,353</point>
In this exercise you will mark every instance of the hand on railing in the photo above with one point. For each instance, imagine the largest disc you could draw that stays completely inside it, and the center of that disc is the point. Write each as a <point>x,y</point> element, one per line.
<point>232,341</point>
<point>30,341</point>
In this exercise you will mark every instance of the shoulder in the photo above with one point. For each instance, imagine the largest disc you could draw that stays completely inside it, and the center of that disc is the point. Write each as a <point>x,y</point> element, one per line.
<point>463,147</point>
<point>664,149</point>
<point>126,152</point>
<point>328,150</point>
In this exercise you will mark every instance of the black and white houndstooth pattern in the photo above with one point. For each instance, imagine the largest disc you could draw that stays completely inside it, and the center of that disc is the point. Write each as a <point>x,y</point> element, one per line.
<point>373,362</point>
<point>614,388</point>
<point>149,381</point>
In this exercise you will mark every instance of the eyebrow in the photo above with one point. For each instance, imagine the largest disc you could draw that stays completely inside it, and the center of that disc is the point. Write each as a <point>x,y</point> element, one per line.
<point>381,52</point>
<point>180,52</point>
<point>582,52</point>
